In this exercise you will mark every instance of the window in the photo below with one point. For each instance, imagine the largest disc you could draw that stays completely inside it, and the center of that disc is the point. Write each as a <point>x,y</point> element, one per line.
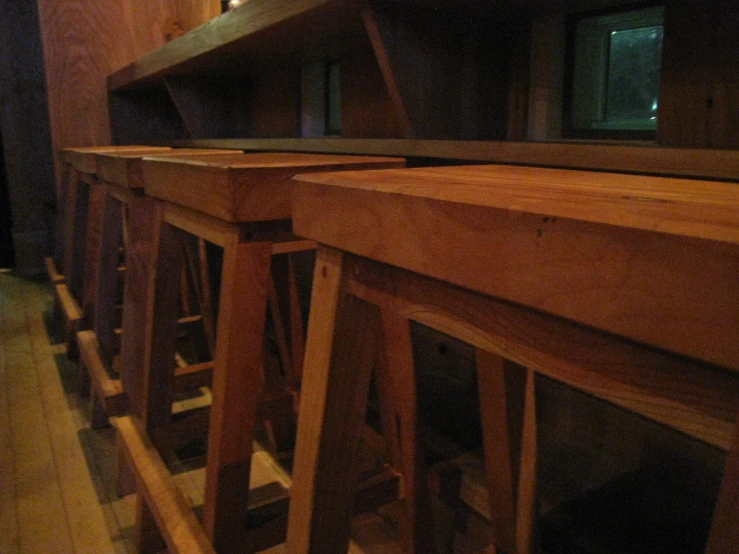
<point>615,74</point>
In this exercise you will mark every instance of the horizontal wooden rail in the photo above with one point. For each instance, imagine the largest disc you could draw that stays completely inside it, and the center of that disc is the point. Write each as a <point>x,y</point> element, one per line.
<point>629,158</point>
<point>54,276</point>
<point>70,308</point>
<point>173,514</point>
<point>637,378</point>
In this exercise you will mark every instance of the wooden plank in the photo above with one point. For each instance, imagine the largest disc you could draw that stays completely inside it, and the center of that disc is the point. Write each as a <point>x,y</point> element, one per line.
<point>39,504</point>
<point>105,314</point>
<point>696,399</point>
<point>84,516</point>
<point>156,374</point>
<point>596,248</point>
<point>724,532</point>
<point>396,382</point>
<point>70,309</point>
<point>92,237</point>
<point>630,158</point>
<point>293,246</point>
<point>173,515</point>
<point>84,159</point>
<point>54,276</point>
<point>124,168</point>
<point>145,217</point>
<point>498,384</point>
<point>198,224</point>
<point>236,383</point>
<point>446,70</point>
<point>526,508</point>
<point>244,34</point>
<point>342,337</point>
<point>242,187</point>
<point>9,537</point>
<point>74,234</point>
<point>109,391</point>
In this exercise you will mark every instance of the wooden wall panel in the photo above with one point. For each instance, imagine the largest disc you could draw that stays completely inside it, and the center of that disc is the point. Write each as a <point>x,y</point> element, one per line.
<point>366,108</point>
<point>274,96</point>
<point>86,41</point>
<point>447,70</point>
<point>700,75</point>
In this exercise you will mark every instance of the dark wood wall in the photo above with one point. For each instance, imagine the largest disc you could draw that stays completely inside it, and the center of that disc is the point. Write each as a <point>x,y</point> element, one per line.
<point>699,98</point>
<point>25,136</point>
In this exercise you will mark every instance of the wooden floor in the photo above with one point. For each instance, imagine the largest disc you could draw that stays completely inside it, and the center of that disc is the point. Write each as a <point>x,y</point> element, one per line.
<point>57,491</point>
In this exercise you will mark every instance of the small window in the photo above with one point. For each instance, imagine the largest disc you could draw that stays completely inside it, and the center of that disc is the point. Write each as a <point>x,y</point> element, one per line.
<point>615,74</point>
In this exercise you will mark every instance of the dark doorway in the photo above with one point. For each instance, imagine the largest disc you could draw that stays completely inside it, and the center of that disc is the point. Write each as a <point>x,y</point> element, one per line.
<point>6,224</point>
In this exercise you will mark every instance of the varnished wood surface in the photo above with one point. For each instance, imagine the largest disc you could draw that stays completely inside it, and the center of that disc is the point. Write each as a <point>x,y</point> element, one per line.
<point>85,159</point>
<point>85,41</point>
<point>637,378</point>
<point>652,259</point>
<point>631,158</point>
<point>254,29</point>
<point>124,167</point>
<point>241,187</point>
<point>173,514</point>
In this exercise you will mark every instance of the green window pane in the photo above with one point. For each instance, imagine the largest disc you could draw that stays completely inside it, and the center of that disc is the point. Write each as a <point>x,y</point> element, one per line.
<point>633,75</point>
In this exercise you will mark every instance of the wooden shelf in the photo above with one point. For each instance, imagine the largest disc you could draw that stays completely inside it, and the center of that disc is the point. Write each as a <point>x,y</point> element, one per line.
<point>258,32</point>
<point>630,158</point>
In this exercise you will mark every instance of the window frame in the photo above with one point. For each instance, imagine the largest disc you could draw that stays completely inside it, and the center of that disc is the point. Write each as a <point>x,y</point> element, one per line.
<point>619,15</point>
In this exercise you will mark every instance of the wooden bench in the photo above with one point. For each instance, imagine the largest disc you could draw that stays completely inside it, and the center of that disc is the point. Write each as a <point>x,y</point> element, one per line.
<point>79,207</point>
<point>621,286</point>
<point>119,185</point>
<point>242,203</point>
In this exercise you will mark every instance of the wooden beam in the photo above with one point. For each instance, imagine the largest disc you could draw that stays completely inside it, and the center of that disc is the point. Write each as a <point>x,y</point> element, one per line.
<point>241,35</point>
<point>174,517</point>
<point>54,276</point>
<point>635,377</point>
<point>630,158</point>
<point>596,248</point>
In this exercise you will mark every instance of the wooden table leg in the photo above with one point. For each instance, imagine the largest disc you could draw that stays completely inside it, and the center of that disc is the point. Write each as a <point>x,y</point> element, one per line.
<point>92,240</point>
<point>508,415</point>
<point>396,384</point>
<point>237,380</point>
<point>104,317</point>
<point>343,335</point>
<point>724,535</point>
<point>74,231</point>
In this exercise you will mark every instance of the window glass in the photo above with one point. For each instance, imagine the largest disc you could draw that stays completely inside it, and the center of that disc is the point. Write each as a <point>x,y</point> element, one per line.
<point>616,72</point>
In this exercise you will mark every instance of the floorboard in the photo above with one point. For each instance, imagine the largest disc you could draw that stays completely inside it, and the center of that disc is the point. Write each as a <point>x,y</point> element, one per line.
<point>57,476</point>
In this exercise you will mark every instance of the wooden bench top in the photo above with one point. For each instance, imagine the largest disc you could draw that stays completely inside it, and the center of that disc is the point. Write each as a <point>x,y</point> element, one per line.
<point>123,167</point>
<point>84,159</point>
<point>649,258</point>
<point>242,187</point>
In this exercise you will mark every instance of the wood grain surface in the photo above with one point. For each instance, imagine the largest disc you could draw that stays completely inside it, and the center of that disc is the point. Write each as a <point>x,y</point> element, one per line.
<point>241,187</point>
<point>124,167</point>
<point>257,28</point>
<point>651,259</point>
<point>629,158</point>
<point>85,41</point>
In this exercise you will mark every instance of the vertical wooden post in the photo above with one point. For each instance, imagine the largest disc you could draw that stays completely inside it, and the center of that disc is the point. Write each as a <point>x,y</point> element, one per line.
<point>507,411</point>
<point>724,535</point>
<point>396,385</point>
<point>91,275</point>
<point>342,341</point>
<point>157,372</point>
<point>237,379</point>
<point>104,317</point>
<point>74,244</point>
